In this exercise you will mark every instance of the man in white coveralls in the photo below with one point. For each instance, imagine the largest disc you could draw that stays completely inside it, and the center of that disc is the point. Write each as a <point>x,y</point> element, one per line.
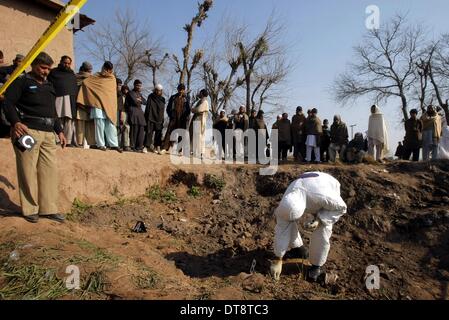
<point>314,193</point>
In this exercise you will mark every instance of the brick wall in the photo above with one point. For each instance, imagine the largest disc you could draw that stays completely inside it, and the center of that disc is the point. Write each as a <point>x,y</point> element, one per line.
<point>22,23</point>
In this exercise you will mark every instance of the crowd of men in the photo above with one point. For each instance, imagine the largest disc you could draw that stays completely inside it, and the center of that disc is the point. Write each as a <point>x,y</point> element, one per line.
<point>96,110</point>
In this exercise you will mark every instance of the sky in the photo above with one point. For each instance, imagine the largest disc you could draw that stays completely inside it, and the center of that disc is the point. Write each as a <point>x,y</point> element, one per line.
<point>320,36</point>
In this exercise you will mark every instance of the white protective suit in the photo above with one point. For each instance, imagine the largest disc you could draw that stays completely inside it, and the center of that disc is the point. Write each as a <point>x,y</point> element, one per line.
<point>316,193</point>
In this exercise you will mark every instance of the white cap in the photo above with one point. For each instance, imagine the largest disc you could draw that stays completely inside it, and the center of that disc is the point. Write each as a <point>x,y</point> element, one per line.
<point>159,87</point>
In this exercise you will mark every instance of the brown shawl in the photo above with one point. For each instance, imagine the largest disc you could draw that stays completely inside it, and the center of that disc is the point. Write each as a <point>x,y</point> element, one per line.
<point>313,126</point>
<point>433,122</point>
<point>100,91</point>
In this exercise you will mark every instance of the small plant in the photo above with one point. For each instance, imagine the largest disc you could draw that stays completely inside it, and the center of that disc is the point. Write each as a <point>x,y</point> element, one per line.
<point>121,202</point>
<point>147,279</point>
<point>213,182</point>
<point>194,192</point>
<point>154,192</point>
<point>96,283</point>
<point>169,196</point>
<point>79,208</point>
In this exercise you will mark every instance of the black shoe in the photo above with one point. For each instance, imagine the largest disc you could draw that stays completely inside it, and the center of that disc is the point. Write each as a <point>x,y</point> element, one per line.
<point>119,150</point>
<point>103,149</point>
<point>32,219</point>
<point>127,149</point>
<point>314,273</point>
<point>56,217</point>
<point>297,253</point>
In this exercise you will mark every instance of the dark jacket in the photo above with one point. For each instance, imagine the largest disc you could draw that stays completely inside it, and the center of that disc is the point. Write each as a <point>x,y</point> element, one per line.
<point>399,152</point>
<point>121,102</point>
<point>298,123</point>
<point>154,113</point>
<point>260,126</point>
<point>285,131</point>
<point>171,108</point>
<point>221,124</point>
<point>413,134</point>
<point>27,97</point>
<point>6,71</point>
<point>358,144</point>
<point>252,122</point>
<point>326,137</point>
<point>339,134</point>
<point>241,122</point>
<point>134,108</point>
<point>65,83</point>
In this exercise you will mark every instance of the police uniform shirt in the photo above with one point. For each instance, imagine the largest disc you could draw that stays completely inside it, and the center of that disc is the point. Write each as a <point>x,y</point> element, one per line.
<point>32,99</point>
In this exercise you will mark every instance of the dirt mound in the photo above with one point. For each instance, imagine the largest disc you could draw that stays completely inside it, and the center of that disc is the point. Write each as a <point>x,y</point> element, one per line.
<point>210,232</point>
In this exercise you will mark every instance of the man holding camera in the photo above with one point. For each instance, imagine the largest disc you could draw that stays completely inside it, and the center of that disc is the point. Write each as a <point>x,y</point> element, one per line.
<point>30,108</point>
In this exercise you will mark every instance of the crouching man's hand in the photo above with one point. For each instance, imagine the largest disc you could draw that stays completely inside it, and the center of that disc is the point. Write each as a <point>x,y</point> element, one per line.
<point>63,140</point>
<point>276,269</point>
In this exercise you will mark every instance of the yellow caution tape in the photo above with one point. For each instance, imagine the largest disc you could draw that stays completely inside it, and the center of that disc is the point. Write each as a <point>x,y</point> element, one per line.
<point>64,17</point>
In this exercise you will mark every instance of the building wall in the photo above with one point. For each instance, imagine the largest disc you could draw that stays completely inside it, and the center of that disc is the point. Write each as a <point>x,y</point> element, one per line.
<point>22,23</point>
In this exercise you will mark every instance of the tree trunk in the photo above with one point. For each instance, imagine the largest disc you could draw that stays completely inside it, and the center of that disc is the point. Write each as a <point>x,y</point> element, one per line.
<point>186,52</point>
<point>248,94</point>
<point>154,78</point>
<point>404,107</point>
<point>189,77</point>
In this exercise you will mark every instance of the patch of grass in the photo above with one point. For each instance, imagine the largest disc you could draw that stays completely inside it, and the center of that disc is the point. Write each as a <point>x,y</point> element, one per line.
<point>155,193</point>
<point>30,283</point>
<point>213,182</point>
<point>79,208</point>
<point>95,284</point>
<point>147,279</point>
<point>99,256</point>
<point>194,192</point>
<point>169,196</point>
<point>121,202</point>
<point>7,247</point>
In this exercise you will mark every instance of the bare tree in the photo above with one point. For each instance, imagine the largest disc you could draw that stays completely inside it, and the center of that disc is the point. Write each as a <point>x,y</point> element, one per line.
<point>221,66</point>
<point>386,65</point>
<point>439,71</point>
<point>271,75</point>
<point>155,64</point>
<point>187,68</point>
<point>423,69</point>
<point>221,89</point>
<point>124,42</point>
<point>233,62</point>
<point>254,52</point>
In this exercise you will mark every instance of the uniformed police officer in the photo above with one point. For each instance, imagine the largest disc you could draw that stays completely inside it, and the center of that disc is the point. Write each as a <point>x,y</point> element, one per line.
<point>30,108</point>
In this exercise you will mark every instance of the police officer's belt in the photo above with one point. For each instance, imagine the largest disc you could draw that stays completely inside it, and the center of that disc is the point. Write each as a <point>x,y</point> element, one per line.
<point>40,121</point>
